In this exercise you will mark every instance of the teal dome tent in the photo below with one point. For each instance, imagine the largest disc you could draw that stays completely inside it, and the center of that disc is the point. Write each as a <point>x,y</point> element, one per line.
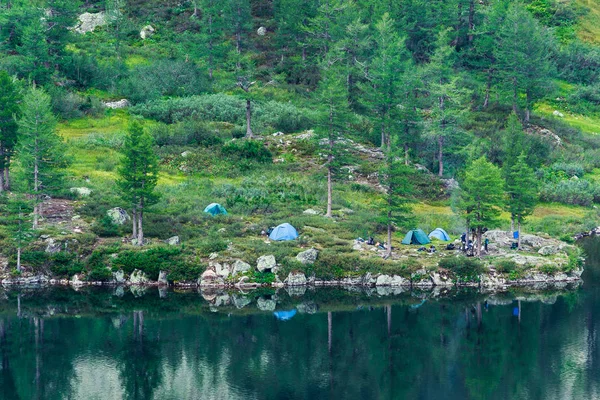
<point>416,236</point>
<point>215,209</point>
<point>440,234</point>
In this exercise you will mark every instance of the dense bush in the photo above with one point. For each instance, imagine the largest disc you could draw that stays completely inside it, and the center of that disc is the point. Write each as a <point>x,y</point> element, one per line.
<point>465,269</point>
<point>572,191</point>
<point>248,150</point>
<point>164,78</point>
<point>150,261</point>
<point>189,132</point>
<point>569,169</point>
<point>226,108</point>
<point>505,266</point>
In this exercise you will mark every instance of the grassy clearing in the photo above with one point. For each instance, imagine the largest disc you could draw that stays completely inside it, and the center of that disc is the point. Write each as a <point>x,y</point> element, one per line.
<point>112,122</point>
<point>589,25</point>
<point>586,123</point>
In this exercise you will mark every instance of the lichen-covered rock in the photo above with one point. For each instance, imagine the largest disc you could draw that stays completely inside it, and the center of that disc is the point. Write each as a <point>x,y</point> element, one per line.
<point>240,267</point>
<point>117,105</point>
<point>264,304</point>
<point>119,276</point>
<point>398,280</point>
<point>173,241</point>
<point>147,31</point>
<point>384,280</point>
<point>295,279</point>
<point>118,216</point>
<point>266,263</point>
<point>223,270</point>
<point>308,257</point>
<point>76,280</point>
<point>90,21</point>
<point>549,250</point>
<point>162,278</point>
<point>262,31</point>
<point>311,211</point>
<point>138,277</point>
<point>439,279</point>
<point>210,278</point>
<point>52,246</point>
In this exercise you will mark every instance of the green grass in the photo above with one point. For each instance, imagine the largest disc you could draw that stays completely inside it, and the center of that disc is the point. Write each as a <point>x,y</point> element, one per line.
<point>589,25</point>
<point>586,123</point>
<point>112,122</point>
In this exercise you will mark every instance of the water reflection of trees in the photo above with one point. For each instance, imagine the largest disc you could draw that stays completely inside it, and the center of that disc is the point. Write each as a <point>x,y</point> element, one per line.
<point>458,347</point>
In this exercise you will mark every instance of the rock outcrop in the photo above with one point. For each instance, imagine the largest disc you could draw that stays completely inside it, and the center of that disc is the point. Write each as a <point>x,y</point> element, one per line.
<point>308,257</point>
<point>266,263</point>
<point>90,21</point>
<point>118,216</point>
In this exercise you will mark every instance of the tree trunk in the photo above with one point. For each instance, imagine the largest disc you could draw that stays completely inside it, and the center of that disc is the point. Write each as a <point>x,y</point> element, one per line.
<point>467,235</point>
<point>519,233</point>
<point>440,155</point>
<point>329,189</point>
<point>1,182</point>
<point>389,236</point>
<point>140,232</point>
<point>36,187</point>
<point>382,137</point>
<point>488,89</point>
<point>7,176</point>
<point>471,19</point>
<point>405,154</point>
<point>134,219</point>
<point>19,258</point>
<point>527,111</point>
<point>249,133</point>
<point>512,224</point>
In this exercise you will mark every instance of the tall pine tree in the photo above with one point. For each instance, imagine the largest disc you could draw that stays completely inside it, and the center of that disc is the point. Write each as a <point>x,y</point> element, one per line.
<point>9,110</point>
<point>521,188</point>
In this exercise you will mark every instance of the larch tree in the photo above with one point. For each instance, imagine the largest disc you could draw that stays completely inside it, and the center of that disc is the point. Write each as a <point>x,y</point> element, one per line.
<point>9,110</point>
<point>512,147</point>
<point>524,57</point>
<point>18,224</point>
<point>40,150</point>
<point>447,107</point>
<point>521,188</point>
<point>138,176</point>
<point>481,197</point>
<point>334,114</point>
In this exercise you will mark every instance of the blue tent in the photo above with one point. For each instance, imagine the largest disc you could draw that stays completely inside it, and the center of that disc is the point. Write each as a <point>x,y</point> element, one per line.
<point>215,209</point>
<point>284,232</point>
<point>284,315</point>
<point>440,234</point>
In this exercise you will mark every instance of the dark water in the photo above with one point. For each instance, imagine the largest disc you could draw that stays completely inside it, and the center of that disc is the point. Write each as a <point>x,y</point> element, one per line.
<point>93,344</point>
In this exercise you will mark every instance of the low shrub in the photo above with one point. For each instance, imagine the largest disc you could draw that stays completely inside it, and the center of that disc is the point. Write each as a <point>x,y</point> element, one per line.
<point>150,261</point>
<point>182,272</point>
<point>248,150</point>
<point>548,269</point>
<point>464,268</point>
<point>505,266</point>
<point>105,227</point>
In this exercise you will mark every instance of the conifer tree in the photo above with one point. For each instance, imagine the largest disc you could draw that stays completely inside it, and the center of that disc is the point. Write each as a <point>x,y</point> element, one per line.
<point>332,95</point>
<point>521,188</point>
<point>41,150</point>
<point>138,176</point>
<point>481,197</point>
<point>18,223</point>
<point>523,54</point>
<point>9,109</point>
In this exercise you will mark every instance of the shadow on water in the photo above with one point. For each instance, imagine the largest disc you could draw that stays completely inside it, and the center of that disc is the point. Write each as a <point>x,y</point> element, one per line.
<point>329,343</point>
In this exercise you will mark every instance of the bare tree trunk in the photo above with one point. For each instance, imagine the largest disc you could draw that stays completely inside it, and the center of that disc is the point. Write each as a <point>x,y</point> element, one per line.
<point>527,111</point>
<point>488,89</point>
<point>440,156</point>
<point>405,154</point>
<point>19,258</point>
<point>519,233</point>
<point>329,190</point>
<point>249,133</point>
<point>389,236</point>
<point>1,182</point>
<point>512,224</point>
<point>140,231</point>
<point>36,187</point>
<point>7,176</point>
<point>471,20</point>
<point>383,137</point>
<point>134,219</point>
<point>210,48</point>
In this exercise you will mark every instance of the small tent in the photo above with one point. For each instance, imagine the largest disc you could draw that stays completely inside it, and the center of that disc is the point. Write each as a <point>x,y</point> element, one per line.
<point>215,209</point>
<point>439,233</point>
<point>284,232</point>
<point>416,236</point>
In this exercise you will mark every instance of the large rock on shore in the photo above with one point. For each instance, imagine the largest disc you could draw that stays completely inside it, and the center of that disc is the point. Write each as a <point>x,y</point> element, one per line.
<point>138,277</point>
<point>210,278</point>
<point>308,257</point>
<point>118,216</point>
<point>266,263</point>
<point>240,267</point>
<point>295,279</point>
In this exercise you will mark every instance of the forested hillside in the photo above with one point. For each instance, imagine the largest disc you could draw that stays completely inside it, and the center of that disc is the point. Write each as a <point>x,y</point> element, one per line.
<point>346,118</point>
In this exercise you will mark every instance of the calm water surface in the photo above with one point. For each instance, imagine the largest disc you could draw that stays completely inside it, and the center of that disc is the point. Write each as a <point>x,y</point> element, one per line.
<point>326,344</point>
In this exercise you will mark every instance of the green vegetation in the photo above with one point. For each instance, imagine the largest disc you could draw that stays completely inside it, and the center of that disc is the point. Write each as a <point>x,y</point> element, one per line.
<point>358,112</point>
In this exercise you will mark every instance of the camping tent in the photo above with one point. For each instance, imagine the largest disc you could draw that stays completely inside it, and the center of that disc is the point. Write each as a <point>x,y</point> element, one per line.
<point>284,232</point>
<point>439,233</point>
<point>416,236</point>
<point>215,209</point>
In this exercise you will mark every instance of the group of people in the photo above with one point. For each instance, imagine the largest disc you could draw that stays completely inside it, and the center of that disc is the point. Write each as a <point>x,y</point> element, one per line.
<point>467,246</point>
